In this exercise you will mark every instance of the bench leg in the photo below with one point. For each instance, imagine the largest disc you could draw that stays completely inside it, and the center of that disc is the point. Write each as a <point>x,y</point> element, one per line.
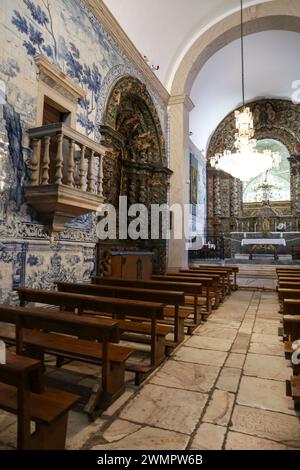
<point>101,399</point>
<point>160,350</point>
<point>180,330</point>
<point>50,436</point>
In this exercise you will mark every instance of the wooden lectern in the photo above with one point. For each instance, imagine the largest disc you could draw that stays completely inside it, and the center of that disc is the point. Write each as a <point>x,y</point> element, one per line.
<point>131,264</point>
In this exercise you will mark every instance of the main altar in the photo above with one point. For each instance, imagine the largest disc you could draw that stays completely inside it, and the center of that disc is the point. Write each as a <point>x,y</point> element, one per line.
<point>265,244</point>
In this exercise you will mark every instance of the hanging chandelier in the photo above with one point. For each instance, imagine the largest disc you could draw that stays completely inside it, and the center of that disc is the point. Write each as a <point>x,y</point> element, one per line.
<point>246,161</point>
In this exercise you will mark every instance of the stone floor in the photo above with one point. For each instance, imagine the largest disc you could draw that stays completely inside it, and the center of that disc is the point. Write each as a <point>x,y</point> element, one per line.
<point>224,388</point>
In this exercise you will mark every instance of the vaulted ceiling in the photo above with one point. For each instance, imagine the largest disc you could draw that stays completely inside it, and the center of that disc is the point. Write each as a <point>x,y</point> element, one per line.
<point>164,30</point>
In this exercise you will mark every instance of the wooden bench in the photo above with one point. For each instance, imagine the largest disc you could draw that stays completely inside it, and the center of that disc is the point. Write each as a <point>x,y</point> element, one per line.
<point>172,299</point>
<point>287,294</point>
<point>291,327</point>
<point>60,336</point>
<point>193,290</point>
<point>22,393</point>
<point>289,284</point>
<point>295,389</point>
<point>231,270</point>
<point>222,284</point>
<point>225,280</point>
<point>206,282</point>
<point>291,307</point>
<point>119,309</point>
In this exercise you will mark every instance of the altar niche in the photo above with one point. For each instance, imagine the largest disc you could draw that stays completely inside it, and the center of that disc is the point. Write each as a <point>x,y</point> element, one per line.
<point>135,166</point>
<point>276,124</point>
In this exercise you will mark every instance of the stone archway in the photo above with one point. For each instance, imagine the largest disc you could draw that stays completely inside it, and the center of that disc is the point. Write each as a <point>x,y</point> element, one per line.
<point>278,15</point>
<point>136,165</point>
<point>274,119</point>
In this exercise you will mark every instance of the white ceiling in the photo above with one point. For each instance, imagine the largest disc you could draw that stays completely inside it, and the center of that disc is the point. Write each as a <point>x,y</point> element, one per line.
<point>163,30</point>
<point>271,65</point>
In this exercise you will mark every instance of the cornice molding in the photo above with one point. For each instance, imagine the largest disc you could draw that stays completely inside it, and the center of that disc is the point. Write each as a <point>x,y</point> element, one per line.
<point>182,99</point>
<point>105,17</point>
<point>45,68</point>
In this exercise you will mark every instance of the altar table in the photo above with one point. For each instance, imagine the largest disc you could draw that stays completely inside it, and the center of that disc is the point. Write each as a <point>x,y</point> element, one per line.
<point>256,243</point>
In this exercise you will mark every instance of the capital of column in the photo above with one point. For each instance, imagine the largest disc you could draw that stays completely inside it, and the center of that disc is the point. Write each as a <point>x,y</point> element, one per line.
<point>182,99</point>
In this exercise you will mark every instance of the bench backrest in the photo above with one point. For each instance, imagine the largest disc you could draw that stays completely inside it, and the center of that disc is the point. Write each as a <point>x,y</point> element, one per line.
<point>288,293</point>
<point>291,306</point>
<point>99,329</point>
<point>291,326</point>
<point>289,284</point>
<point>169,297</point>
<point>26,375</point>
<point>84,302</point>
<point>186,287</point>
<point>187,272</point>
<point>230,269</point>
<point>205,281</point>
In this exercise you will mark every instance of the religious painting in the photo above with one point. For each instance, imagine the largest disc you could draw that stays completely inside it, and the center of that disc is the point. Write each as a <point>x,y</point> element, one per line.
<point>194,182</point>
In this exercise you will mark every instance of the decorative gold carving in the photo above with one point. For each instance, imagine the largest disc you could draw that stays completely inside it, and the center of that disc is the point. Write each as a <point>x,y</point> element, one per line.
<point>136,163</point>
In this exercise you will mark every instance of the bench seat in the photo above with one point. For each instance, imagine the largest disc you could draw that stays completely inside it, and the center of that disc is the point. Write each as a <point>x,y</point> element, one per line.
<point>69,346</point>
<point>44,408</point>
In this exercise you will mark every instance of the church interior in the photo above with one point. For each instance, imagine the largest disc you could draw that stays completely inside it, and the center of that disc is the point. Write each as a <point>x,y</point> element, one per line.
<point>150,225</point>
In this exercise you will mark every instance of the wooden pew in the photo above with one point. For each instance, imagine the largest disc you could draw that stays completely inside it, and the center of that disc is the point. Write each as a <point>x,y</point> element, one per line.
<point>60,334</point>
<point>224,274</point>
<point>119,308</point>
<point>174,299</point>
<point>232,270</point>
<point>287,294</point>
<point>22,393</point>
<point>289,284</point>
<point>222,284</point>
<point>291,324</point>
<point>295,390</point>
<point>207,282</point>
<point>291,327</point>
<point>193,290</point>
<point>291,307</point>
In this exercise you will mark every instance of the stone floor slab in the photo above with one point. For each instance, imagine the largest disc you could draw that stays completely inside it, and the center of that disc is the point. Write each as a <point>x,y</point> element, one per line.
<point>211,331</point>
<point>267,349</point>
<point>208,437</point>
<point>241,343</point>
<point>238,441</point>
<point>187,376</point>
<point>266,339</point>
<point>265,394</point>
<point>168,408</point>
<point>267,424</point>
<point>229,379</point>
<point>267,367</point>
<point>200,356</point>
<point>203,342</point>
<point>235,360</point>
<point>219,408</point>
<point>120,429</point>
<point>148,438</point>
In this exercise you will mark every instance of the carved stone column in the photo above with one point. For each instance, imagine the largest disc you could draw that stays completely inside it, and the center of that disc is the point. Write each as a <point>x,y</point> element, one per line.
<point>217,196</point>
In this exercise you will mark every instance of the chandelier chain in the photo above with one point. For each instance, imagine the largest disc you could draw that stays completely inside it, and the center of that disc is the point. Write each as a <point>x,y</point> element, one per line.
<point>242,53</point>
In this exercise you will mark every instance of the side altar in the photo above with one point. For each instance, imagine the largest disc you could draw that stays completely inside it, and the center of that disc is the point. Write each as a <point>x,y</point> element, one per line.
<point>263,243</point>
